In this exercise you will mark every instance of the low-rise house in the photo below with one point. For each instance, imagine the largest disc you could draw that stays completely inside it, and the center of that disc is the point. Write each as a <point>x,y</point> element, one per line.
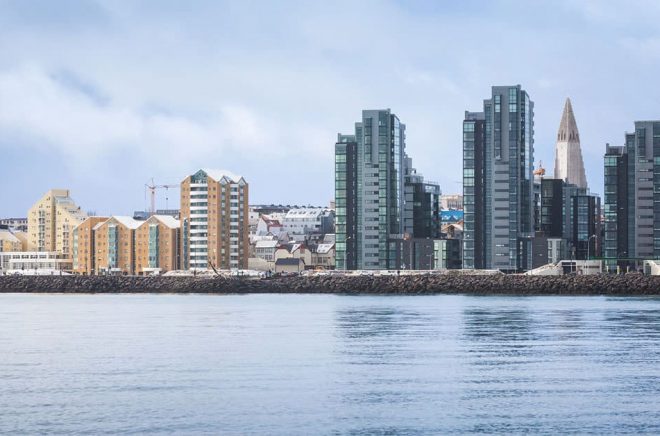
<point>453,230</point>
<point>266,250</point>
<point>294,251</point>
<point>323,256</point>
<point>289,265</point>
<point>268,226</point>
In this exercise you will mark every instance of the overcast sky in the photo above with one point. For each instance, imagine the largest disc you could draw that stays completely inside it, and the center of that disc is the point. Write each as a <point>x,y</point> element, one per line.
<point>99,97</point>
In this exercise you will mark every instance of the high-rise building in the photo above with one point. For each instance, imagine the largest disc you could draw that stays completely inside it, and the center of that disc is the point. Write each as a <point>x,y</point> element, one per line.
<point>616,206</point>
<point>214,221</point>
<point>370,179</point>
<point>421,216</point>
<point>632,197</point>
<point>474,185</point>
<point>498,156</point>
<point>51,221</point>
<point>569,165</point>
<point>570,219</point>
<point>346,202</point>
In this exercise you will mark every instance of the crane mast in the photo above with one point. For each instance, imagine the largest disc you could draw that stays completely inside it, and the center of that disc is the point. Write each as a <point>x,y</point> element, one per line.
<point>152,187</point>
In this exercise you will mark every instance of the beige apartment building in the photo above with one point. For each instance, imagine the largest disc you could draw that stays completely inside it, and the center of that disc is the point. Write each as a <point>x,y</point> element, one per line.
<point>11,241</point>
<point>214,221</point>
<point>114,245</point>
<point>157,245</point>
<point>51,221</point>
<point>83,245</point>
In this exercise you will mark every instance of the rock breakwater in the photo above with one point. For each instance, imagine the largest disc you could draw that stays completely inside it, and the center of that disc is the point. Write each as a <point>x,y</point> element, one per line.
<point>630,284</point>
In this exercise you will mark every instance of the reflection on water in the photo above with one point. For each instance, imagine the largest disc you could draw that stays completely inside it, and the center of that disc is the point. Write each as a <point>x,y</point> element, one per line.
<point>295,364</point>
<point>508,325</point>
<point>369,322</point>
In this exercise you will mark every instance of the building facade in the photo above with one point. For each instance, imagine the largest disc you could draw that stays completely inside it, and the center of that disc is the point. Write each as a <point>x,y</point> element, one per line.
<point>300,223</point>
<point>157,245</point>
<point>474,185</point>
<point>15,224</point>
<point>369,179</point>
<point>346,202</point>
<point>84,257</point>
<point>51,221</point>
<point>451,202</point>
<point>421,213</point>
<point>114,245</point>
<point>632,197</point>
<point>214,221</point>
<point>616,207</point>
<point>499,215</point>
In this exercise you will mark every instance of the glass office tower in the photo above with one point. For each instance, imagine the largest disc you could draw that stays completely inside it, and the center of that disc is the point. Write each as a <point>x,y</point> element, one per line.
<point>369,193</point>
<point>504,224</point>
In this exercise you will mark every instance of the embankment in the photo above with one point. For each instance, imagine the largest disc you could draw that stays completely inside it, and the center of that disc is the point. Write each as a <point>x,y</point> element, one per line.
<point>631,284</point>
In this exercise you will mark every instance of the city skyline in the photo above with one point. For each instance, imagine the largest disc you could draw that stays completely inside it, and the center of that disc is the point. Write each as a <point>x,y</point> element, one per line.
<point>104,96</point>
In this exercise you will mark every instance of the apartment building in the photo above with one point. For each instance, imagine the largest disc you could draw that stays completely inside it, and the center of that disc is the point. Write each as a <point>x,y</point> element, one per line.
<point>51,221</point>
<point>12,241</point>
<point>632,198</point>
<point>214,221</point>
<point>84,245</point>
<point>114,245</point>
<point>498,187</point>
<point>157,245</point>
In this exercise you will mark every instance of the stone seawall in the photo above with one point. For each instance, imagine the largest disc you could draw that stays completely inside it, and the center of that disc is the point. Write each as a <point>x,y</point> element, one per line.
<point>631,284</point>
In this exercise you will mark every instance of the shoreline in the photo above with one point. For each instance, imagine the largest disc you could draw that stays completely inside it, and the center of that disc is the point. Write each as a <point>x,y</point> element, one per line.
<point>520,285</point>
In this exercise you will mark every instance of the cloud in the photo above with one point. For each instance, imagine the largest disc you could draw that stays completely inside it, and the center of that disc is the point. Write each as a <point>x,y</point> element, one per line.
<point>50,114</point>
<point>262,89</point>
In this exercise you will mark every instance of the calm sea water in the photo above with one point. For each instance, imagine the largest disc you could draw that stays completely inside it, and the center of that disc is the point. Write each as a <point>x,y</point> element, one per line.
<point>324,364</point>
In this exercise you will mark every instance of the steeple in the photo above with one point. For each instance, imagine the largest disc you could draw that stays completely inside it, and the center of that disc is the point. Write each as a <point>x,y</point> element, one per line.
<point>568,130</point>
<point>569,165</point>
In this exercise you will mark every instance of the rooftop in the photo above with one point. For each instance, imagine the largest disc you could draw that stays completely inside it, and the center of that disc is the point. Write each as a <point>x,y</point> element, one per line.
<point>218,175</point>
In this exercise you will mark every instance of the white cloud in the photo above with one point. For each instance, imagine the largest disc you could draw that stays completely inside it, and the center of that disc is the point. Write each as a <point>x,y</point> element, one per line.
<point>52,117</point>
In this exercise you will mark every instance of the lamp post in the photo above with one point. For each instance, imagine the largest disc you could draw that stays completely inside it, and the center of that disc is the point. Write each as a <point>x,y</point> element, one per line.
<point>428,240</point>
<point>588,247</point>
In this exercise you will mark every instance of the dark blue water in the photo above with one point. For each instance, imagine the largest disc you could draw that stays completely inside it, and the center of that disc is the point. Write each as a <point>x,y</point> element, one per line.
<point>308,364</point>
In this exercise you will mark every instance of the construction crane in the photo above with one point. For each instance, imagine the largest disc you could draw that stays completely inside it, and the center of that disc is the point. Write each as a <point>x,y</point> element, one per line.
<point>152,193</point>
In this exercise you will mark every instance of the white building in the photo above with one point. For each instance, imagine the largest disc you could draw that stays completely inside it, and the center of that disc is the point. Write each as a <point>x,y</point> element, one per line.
<point>265,250</point>
<point>301,222</point>
<point>33,263</point>
<point>324,256</point>
<point>268,226</point>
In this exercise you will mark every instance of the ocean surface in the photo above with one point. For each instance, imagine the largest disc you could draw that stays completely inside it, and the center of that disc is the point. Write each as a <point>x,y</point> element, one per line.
<point>325,364</point>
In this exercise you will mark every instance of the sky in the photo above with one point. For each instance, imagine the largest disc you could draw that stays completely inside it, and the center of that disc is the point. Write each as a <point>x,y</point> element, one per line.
<point>99,97</point>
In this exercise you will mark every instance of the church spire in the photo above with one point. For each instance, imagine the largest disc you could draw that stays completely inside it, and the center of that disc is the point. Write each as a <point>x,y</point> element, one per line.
<point>568,130</point>
<point>568,154</point>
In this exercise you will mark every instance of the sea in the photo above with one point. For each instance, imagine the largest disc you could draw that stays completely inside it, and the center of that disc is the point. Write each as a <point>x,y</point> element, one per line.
<point>328,364</point>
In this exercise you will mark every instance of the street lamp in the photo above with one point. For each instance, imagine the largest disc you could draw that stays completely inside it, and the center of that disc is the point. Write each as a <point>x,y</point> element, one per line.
<point>588,247</point>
